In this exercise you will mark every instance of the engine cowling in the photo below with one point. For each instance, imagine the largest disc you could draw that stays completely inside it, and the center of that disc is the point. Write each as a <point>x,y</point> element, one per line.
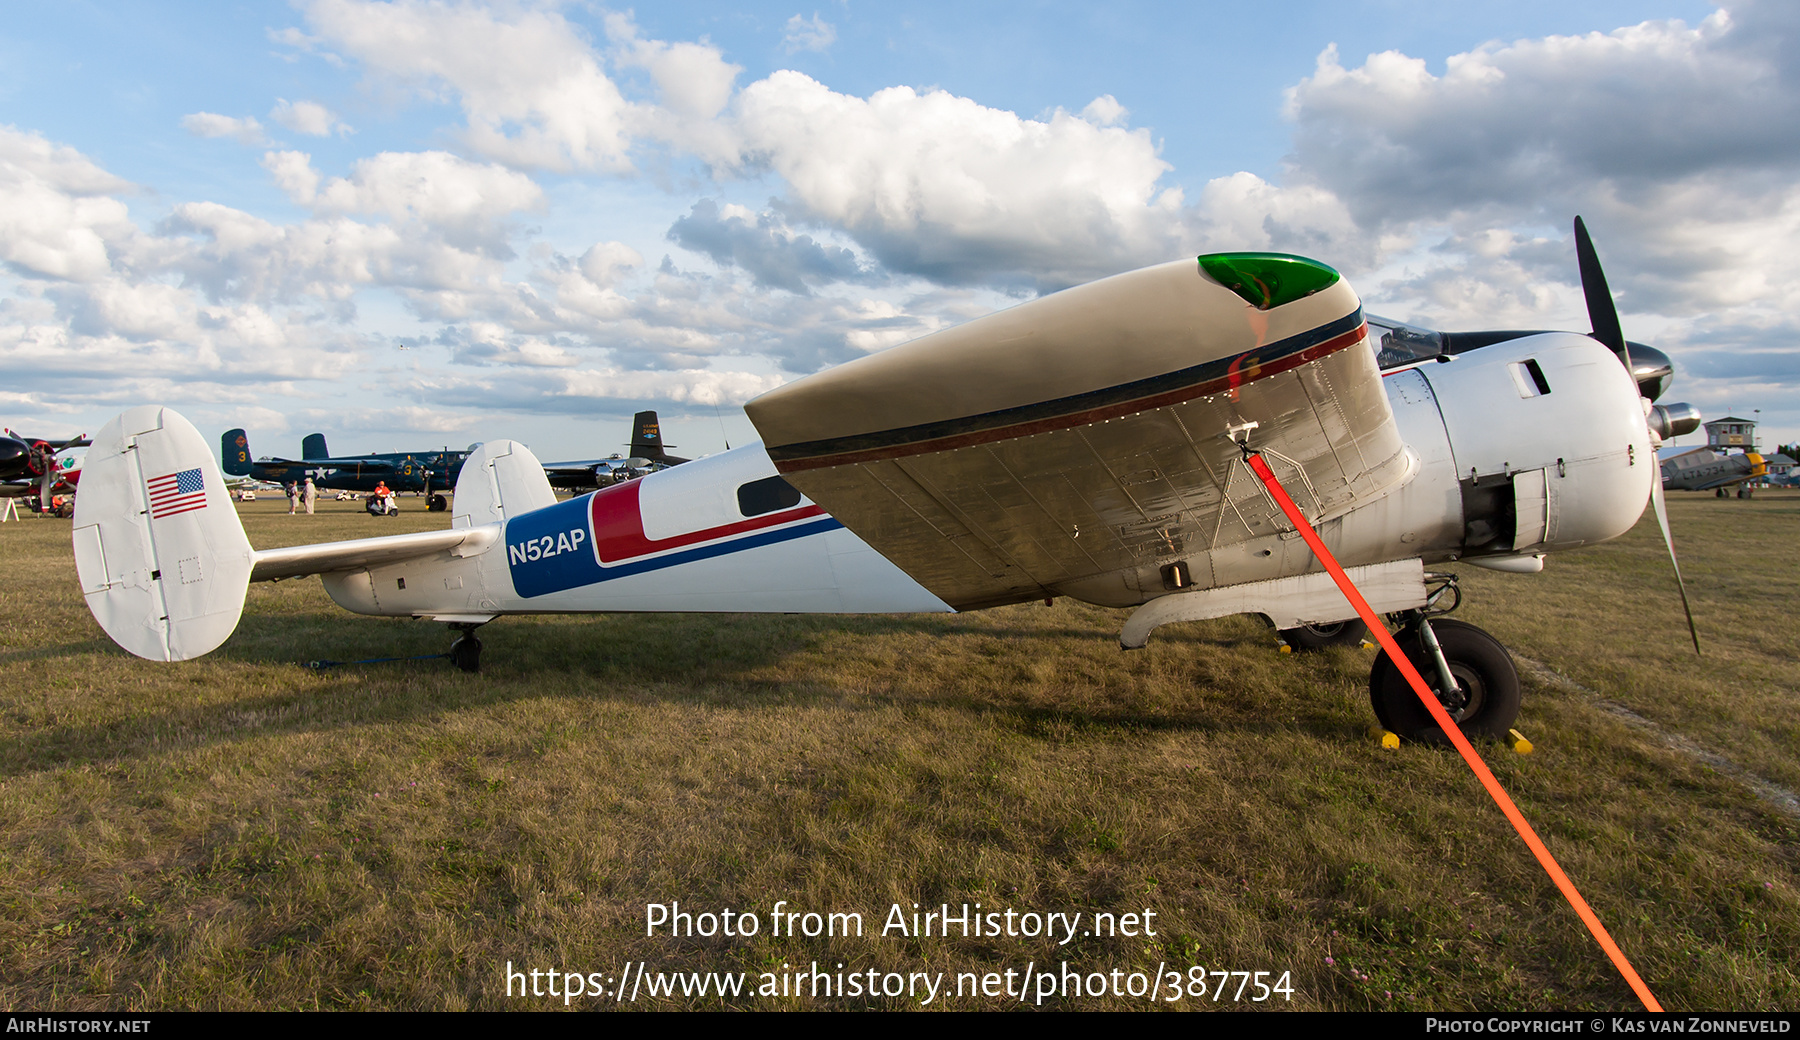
<point>1543,438</point>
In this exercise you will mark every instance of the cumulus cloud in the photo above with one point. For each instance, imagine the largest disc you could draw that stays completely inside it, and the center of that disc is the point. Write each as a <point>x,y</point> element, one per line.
<point>930,185</point>
<point>307,117</point>
<point>293,174</point>
<point>584,391</point>
<point>606,263</point>
<point>1637,106</point>
<point>58,216</point>
<point>1677,142</point>
<point>808,34</point>
<point>941,187</point>
<point>775,255</point>
<point>468,203</point>
<point>533,91</point>
<point>212,124</point>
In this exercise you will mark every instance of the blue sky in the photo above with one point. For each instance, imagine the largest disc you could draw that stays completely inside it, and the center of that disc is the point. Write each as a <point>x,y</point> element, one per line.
<point>419,223</point>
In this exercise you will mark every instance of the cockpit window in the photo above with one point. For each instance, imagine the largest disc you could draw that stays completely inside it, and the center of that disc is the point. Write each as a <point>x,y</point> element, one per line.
<point>1396,343</point>
<point>766,496</point>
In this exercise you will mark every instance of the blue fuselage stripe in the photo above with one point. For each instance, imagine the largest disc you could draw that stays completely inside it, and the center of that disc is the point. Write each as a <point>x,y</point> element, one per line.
<point>551,574</point>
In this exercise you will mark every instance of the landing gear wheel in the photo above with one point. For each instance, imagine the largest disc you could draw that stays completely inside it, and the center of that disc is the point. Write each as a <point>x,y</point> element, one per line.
<point>1318,637</point>
<point>465,653</point>
<point>438,504</point>
<point>1486,701</point>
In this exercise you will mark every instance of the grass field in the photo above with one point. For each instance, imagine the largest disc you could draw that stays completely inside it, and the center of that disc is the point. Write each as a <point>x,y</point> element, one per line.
<point>244,832</point>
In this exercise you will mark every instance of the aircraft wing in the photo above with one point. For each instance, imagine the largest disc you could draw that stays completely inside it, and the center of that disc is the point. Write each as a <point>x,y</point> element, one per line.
<point>1080,443</point>
<point>63,445</point>
<point>567,474</point>
<point>369,465</point>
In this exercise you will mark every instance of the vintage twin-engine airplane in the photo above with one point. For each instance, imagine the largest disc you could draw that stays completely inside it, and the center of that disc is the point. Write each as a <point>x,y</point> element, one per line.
<point>31,467</point>
<point>427,472</point>
<point>647,456</point>
<point>1091,443</point>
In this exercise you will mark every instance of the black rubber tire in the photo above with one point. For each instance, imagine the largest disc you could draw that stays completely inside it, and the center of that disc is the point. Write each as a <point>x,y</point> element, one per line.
<point>1307,638</point>
<point>438,504</point>
<point>465,653</point>
<point>1484,673</point>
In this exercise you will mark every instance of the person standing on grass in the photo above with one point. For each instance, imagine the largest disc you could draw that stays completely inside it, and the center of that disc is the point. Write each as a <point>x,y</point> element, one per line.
<point>312,495</point>
<point>293,493</point>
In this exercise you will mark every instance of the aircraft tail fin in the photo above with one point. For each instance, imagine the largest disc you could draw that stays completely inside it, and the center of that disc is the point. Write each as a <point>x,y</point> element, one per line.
<point>162,558</point>
<point>313,447</point>
<point>234,453</point>
<point>646,437</point>
<point>500,479</point>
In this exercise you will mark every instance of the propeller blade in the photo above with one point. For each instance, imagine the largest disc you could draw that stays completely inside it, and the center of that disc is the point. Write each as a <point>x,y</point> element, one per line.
<point>1662,520</point>
<point>1602,312</point>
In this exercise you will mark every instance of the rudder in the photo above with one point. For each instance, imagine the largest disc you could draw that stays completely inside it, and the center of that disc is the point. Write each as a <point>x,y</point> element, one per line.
<point>646,436</point>
<point>163,561</point>
<point>312,446</point>
<point>500,479</point>
<point>234,453</point>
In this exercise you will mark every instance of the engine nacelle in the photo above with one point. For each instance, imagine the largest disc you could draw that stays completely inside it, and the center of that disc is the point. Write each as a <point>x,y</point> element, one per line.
<point>1543,439</point>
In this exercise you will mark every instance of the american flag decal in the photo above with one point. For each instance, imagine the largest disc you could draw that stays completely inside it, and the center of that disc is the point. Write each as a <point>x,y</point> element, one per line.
<point>181,492</point>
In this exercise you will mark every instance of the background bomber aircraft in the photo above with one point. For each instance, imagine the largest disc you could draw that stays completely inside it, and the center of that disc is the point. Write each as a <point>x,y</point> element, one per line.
<point>647,456</point>
<point>1091,443</point>
<point>427,472</point>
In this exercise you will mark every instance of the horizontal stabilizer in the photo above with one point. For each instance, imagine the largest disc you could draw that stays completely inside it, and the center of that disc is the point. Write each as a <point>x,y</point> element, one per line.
<point>296,560</point>
<point>162,558</point>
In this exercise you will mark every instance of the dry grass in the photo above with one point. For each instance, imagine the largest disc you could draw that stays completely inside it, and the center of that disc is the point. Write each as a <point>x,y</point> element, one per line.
<point>242,832</point>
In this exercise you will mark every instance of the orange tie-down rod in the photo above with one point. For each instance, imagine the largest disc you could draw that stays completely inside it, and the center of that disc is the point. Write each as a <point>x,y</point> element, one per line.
<point>1463,747</point>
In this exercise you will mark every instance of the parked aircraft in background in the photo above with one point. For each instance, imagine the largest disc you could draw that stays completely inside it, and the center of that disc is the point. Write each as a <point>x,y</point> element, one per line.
<point>428,472</point>
<point>1092,443</point>
<point>30,467</point>
<point>1702,469</point>
<point>647,456</point>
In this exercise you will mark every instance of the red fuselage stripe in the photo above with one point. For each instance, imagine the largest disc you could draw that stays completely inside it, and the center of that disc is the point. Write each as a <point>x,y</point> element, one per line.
<point>619,525</point>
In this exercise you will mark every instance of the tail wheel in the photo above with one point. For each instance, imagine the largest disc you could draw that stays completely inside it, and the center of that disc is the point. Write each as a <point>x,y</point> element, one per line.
<point>1318,637</point>
<point>465,653</point>
<point>1485,702</point>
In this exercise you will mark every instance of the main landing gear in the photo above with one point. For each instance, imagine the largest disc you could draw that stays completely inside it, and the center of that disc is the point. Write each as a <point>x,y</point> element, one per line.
<point>1469,672</point>
<point>465,653</point>
<point>1318,637</point>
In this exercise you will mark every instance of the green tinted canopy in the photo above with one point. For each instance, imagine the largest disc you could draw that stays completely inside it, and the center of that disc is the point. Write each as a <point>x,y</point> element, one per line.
<point>1267,280</point>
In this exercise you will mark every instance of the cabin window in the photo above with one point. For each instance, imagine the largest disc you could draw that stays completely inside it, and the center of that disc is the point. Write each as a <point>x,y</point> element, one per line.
<point>766,496</point>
